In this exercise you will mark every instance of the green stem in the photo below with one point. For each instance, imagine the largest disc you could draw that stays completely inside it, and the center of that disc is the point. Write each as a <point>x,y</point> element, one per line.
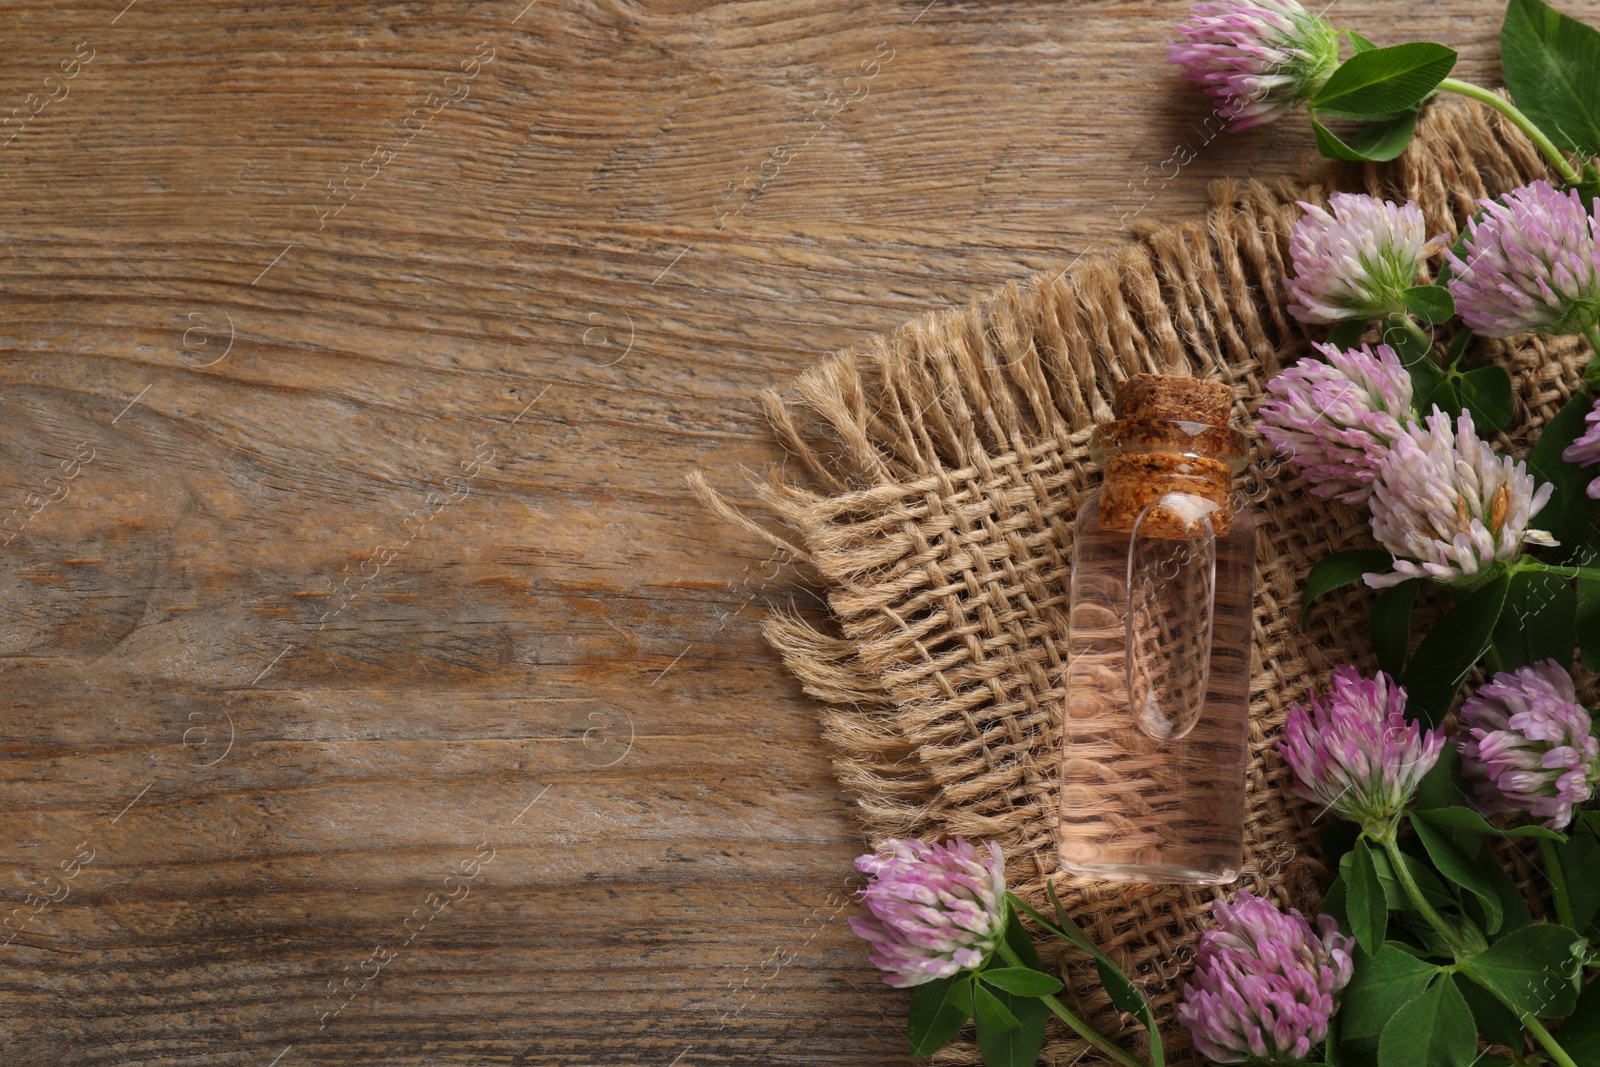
<point>1421,336</point>
<point>1557,1054</point>
<point>1558,882</point>
<point>1548,1040</point>
<point>1402,874</point>
<point>1083,1029</point>
<point>1528,563</point>
<point>1592,335</point>
<point>1567,171</point>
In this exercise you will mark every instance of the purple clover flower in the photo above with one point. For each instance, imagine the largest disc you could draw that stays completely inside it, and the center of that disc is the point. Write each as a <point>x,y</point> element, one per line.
<point>1452,508</point>
<point>1585,451</point>
<point>1356,261</point>
<point>932,910</point>
<point>1531,263</point>
<point>1334,420</point>
<point>1529,746</point>
<point>1264,983</point>
<point>1353,752</point>
<point>1255,58</point>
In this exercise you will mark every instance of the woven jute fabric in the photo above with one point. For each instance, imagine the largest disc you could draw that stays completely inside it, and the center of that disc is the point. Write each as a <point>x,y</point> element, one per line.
<point>940,469</point>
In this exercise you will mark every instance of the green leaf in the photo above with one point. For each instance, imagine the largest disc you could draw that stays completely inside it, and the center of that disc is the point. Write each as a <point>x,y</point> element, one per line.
<point>1535,969</point>
<point>1023,981</point>
<point>1458,343</point>
<point>1432,886</point>
<point>1588,189</point>
<point>1450,649</point>
<point>1122,992</point>
<point>1018,1045</point>
<point>1341,568</point>
<point>1333,904</point>
<point>1433,890</point>
<point>1017,938</point>
<point>1580,861</point>
<point>1513,905</point>
<point>1580,1034</point>
<point>1435,1029</point>
<point>1379,984</point>
<point>1365,902</point>
<point>1332,1054</point>
<point>1347,334</point>
<point>1390,623</point>
<point>1538,622</point>
<point>1459,868</point>
<point>1376,141</point>
<point>1551,65</point>
<point>1443,786</point>
<point>1359,43</point>
<point>990,1012</point>
<point>1467,819</point>
<point>1494,1019</point>
<point>1445,398</point>
<point>1587,172</point>
<point>1430,303</point>
<point>1382,81</point>
<point>939,1009</point>
<point>1393,896</point>
<point>1586,621</point>
<point>1486,392</point>
<point>1570,516</point>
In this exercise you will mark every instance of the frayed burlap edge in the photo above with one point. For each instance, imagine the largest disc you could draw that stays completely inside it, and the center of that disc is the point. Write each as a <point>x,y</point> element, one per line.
<point>943,465</point>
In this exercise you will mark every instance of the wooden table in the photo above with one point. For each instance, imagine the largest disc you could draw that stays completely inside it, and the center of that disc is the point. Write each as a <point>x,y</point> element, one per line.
<point>376,691</point>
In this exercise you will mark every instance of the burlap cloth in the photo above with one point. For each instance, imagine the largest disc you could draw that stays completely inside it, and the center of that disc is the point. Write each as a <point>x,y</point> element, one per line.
<point>942,467</point>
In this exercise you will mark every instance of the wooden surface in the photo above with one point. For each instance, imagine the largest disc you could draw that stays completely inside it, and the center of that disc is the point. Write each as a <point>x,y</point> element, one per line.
<point>375,691</point>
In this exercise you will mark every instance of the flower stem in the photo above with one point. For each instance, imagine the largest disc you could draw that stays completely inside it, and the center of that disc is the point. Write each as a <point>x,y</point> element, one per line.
<point>1528,563</point>
<point>1547,1039</point>
<point>1463,963</point>
<point>1402,874</point>
<point>1083,1029</point>
<point>1558,882</point>
<point>1419,335</point>
<point>1499,103</point>
<point>1557,1054</point>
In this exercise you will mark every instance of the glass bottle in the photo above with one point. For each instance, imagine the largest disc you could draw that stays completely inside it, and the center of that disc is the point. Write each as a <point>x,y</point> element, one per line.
<point>1158,652</point>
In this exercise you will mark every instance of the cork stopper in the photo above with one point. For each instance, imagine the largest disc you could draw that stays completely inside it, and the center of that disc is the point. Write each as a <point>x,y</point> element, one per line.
<point>1153,456</point>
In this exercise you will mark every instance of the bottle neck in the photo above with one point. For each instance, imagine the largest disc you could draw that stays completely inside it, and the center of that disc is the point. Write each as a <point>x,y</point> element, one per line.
<point>1144,461</point>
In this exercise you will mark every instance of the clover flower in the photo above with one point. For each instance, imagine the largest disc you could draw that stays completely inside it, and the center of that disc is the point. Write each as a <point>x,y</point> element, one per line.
<point>1530,263</point>
<point>1529,746</point>
<point>1264,983</point>
<point>1452,508</point>
<point>1356,261</point>
<point>1256,58</point>
<point>1585,451</point>
<point>1353,752</point>
<point>1334,420</point>
<point>933,910</point>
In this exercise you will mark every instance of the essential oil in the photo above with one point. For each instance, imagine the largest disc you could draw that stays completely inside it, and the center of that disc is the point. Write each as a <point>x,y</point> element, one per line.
<point>1155,737</point>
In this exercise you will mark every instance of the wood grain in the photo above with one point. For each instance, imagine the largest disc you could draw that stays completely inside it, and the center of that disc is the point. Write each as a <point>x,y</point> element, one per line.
<point>351,548</point>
